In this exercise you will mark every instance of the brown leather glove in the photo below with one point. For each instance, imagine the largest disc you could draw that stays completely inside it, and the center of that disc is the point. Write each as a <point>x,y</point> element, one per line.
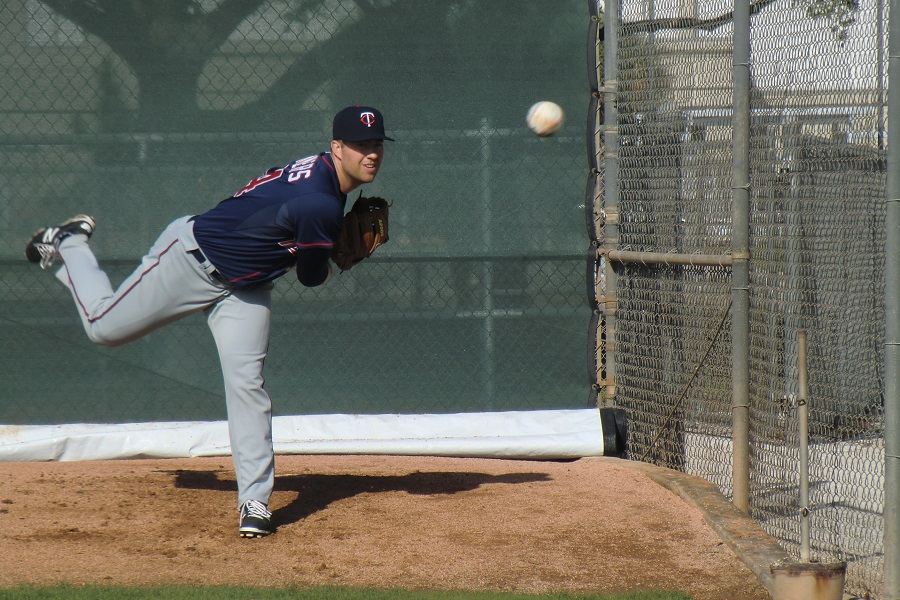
<point>365,229</point>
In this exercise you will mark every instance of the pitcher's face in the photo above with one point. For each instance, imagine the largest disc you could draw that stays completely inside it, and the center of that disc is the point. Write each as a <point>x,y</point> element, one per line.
<point>357,162</point>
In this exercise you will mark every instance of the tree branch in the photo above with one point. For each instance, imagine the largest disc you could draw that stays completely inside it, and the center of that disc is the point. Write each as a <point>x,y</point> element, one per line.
<point>224,20</point>
<point>653,25</point>
<point>117,22</point>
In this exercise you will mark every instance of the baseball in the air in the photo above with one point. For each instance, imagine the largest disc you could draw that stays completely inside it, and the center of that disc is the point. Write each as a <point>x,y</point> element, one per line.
<point>545,118</point>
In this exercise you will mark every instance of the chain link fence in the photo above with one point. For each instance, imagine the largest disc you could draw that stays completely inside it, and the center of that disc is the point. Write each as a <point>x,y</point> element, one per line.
<point>142,112</point>
<point>478,301</point>
<point>817,235</point>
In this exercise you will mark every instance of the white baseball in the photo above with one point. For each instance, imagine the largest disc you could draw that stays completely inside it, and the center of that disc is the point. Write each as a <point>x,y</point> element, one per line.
<point>545,118</point>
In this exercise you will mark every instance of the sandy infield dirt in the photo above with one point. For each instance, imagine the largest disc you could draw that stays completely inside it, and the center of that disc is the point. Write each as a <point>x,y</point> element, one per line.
<point>586,526</point>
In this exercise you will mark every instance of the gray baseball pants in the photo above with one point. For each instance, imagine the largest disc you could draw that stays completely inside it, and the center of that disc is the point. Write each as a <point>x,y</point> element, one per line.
<point>171,284</point>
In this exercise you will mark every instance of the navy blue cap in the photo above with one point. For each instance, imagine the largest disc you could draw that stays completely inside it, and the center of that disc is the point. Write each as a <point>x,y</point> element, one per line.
<point>358,123</point>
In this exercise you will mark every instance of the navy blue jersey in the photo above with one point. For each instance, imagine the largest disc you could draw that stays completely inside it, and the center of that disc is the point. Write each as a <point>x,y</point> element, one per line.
<point>288,217</point>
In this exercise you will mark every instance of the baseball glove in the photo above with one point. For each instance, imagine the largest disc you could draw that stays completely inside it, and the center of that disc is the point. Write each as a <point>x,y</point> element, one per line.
<point>365,228</point>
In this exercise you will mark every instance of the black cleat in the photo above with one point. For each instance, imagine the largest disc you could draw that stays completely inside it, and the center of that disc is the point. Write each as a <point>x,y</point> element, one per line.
<point>256,520</point>
<point>44,245</point>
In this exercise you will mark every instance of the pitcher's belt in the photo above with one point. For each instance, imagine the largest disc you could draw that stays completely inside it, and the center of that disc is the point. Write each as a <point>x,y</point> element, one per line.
<point>201,258</point>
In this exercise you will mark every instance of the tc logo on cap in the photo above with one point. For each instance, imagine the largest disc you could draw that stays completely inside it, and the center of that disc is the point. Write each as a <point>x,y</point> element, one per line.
<point>358,123</point>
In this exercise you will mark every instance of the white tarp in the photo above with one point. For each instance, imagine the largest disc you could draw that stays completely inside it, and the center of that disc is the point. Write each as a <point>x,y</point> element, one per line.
<point>549,434</point>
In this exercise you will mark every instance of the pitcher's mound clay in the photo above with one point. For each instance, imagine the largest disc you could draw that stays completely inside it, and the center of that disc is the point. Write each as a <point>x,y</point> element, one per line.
<point>587,526</point>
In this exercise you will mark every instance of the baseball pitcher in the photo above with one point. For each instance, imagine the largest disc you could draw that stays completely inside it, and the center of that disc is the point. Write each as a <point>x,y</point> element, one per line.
<point>223,262</point>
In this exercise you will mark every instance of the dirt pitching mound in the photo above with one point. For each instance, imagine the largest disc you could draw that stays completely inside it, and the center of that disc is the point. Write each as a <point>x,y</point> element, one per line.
<point>591,525</point>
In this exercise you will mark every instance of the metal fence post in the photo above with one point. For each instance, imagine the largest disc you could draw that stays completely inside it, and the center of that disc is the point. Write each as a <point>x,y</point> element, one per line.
<point>740,274</point>
<point>803,434</point>
<point>611,186</point>
<point>892,316</point>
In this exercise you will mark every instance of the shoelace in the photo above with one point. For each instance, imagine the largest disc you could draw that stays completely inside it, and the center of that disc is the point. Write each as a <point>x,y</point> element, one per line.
<point>48,254</point>
<point>47,247</point>
<point>254,508</point>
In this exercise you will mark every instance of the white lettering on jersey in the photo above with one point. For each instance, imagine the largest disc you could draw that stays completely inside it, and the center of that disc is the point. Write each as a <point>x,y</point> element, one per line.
<point>301,169</point>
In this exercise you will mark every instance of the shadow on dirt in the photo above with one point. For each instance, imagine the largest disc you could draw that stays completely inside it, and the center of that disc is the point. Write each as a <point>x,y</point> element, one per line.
<point>316,492</point>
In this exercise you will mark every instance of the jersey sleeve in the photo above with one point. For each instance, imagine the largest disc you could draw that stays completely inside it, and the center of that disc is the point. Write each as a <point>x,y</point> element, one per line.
<point>317,220</point>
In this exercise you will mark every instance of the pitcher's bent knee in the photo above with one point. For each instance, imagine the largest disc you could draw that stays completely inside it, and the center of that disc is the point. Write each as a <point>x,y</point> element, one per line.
<point>102,336</point>
<point>103,340</point>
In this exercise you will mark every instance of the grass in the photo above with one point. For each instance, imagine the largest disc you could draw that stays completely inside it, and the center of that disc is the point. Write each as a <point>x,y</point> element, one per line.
<point>325,593</point>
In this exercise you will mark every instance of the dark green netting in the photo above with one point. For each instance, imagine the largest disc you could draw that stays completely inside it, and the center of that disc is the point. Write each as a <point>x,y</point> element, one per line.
<point>141,112</point>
